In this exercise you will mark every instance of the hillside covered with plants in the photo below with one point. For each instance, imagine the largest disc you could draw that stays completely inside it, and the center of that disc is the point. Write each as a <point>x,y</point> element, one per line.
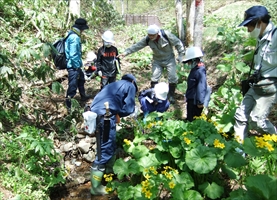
<point>167,159</point>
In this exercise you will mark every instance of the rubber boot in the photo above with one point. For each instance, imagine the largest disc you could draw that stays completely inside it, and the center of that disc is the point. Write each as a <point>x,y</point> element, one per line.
<point>171,93</point>
<point>153,83</point>
<point>97,188</point>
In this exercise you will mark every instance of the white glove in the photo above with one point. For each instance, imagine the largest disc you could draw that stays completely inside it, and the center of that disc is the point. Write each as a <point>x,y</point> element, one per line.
<point>100,73</point>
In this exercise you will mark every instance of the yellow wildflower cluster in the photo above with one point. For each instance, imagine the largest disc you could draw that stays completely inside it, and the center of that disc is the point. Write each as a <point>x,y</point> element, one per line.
<point>153,169</point>
<point>263,142</point>
<point>146,189</point>
<point>108,177</point>
<point>108,189</point>
<point>202,116</point>
<point>127,142</point>
<point>187,141</point>
<point>168,174</point>
<point>152,124</point>
<point>217,144</point>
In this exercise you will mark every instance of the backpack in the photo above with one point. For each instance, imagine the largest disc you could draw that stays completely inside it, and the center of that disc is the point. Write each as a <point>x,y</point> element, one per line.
<point>163,34</point>
<point>58,53</point>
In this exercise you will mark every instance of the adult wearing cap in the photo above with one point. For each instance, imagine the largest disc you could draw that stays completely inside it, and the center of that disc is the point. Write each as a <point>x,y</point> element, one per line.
<point>121,98</point>
<point>107,63</point>
<point>258,101</point>
<point>154,99</point>
<point>196,83</point>
<point>163,55</point>
<point>73,52</point>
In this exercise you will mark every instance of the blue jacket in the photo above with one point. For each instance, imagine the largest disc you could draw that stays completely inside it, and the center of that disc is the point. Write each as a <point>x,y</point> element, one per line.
<point>73,50</point>
<point>197,84</point>
<point>157,104</point>
<point>120,95</point>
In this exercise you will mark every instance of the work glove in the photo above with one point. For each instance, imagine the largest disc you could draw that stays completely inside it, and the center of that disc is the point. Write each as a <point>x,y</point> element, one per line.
<point>100,73</point>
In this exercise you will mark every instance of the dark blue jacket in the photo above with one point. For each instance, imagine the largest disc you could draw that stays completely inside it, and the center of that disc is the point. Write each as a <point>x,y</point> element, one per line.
<point>120,95</point>
<point>197,84</point>
<point>157,105</point>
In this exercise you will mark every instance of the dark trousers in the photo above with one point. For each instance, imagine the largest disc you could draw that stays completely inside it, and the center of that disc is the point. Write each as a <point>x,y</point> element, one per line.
<point>192,110</point>
<point>76,80</point>
<point>105,80</point>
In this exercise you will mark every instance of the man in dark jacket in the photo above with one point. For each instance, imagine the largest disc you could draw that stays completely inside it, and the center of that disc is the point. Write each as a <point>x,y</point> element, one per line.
<point>196,83</point>
<point>120,96</point>
<point>73,52</point>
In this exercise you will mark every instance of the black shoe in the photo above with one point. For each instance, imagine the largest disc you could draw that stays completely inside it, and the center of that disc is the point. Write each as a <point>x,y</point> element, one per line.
<point>85,97</point>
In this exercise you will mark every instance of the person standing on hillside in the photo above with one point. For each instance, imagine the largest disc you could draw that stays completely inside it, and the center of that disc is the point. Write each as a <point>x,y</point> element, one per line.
<point>262,95</point>
<point>161,43</point>
<point>196,83</point>
<point>120,96</point>
<point>73,52</point>
<point>107,63</point>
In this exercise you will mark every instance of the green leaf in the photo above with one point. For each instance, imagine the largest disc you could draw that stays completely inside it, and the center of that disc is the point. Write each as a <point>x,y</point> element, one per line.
<point>201,160</point>
<point>234,159</point>
<point>242,67</point>
<point>148,161</point>
<point>122,168</point>
<point>213,190</point>
<point>224,68</point>
<point>140,151</point>
<point>264,186</point>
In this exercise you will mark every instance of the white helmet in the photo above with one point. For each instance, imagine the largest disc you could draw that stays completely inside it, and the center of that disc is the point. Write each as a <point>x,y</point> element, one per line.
<point>91,56</point>
<point>108,37</point>
<point>191,53</point>
<point>161,90</point>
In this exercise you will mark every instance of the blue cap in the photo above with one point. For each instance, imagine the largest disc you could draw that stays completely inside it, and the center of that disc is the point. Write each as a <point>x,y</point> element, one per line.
<point>254,13</point>
<point>130,77</point>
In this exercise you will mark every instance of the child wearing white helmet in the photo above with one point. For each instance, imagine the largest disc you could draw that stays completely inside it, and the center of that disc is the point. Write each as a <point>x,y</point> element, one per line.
<point>154,99</point>
<point>107,63</point>
<point>196,83</point>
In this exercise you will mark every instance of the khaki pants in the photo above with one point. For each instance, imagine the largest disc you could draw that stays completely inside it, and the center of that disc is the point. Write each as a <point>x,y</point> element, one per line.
<point>254,111</point>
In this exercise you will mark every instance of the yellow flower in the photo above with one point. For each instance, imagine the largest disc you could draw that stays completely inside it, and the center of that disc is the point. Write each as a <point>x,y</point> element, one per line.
<point>147,176</point>
<point>127,142</point>
<point>169,176</point>
<point>152,168</point>
<point>225,135</point>
<point>217,144</point>
<point>108,189</point>
<point>145,183</point>
<point>187,141</point>
<point>185,133</point>
<point>269,147</point>
<point>274,137</point>
<point>267,137</point>
<point>171,184</point>
<point>148,194</point>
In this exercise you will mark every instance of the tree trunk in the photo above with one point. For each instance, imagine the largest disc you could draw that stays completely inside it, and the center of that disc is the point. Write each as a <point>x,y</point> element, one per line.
<point>122,7</point>
<point>195,15</point>
<point>179,18</point>
<point>198,27</point>
<point>190,22</point>
<point>75,7</point>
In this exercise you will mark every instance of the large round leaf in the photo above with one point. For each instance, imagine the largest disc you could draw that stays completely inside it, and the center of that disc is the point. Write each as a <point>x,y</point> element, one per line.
<point>201,160</point>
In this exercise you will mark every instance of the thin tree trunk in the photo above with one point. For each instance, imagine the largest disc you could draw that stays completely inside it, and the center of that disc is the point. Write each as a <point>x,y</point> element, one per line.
<point>190,22</point>
<point>179,18</point>
<point>75,7</point>
<point>198,27</point>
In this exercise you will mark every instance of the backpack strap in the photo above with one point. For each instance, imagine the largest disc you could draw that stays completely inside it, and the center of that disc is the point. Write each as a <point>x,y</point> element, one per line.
<point>163,34</point>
